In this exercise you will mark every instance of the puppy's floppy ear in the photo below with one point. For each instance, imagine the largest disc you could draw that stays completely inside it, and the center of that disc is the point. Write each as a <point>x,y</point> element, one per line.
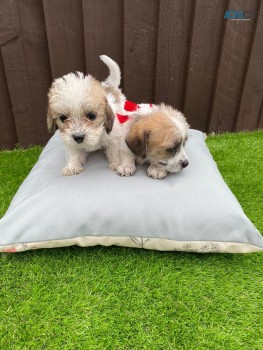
<point>110,116</point>
<point>137,143</point>
<point>51,124</point>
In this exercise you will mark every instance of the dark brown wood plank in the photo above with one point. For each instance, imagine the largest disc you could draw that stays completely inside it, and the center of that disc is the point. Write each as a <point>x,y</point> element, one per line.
<point>8,137</point>
<point>64,27</point>
<point>252,96</point>
<point>16,75</point>
<point>233,61</point>
<point>37,59</point>
<point>103,32</point>
<point>27,69</point>
<point>205,47</point>
<point>173,41</point>
<point>140,30</point>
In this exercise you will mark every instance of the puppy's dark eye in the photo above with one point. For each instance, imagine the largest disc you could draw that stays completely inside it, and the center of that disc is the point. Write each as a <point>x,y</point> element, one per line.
<point>63,118</point>
<point>173,149</point>
<point>163,163</point>
<point>91,116</point>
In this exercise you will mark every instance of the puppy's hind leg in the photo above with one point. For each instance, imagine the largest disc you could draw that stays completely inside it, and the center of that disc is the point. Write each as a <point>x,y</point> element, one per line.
<point>76,159</point>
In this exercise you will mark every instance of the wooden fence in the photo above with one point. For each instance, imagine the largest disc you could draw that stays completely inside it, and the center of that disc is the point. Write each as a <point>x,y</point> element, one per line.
<point>184,53</point>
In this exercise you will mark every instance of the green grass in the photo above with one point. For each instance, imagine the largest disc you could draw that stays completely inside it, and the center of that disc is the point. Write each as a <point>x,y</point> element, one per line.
<point>120,298</point>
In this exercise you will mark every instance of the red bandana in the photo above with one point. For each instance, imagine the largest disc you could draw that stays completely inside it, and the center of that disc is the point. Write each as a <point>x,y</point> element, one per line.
<point>129,106</point>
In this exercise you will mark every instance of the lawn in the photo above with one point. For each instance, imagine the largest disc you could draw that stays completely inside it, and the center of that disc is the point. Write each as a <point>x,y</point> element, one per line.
<point>119,298</point>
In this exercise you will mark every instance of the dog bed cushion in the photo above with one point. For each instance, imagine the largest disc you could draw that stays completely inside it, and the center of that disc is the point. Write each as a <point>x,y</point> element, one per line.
<point>193,210</point>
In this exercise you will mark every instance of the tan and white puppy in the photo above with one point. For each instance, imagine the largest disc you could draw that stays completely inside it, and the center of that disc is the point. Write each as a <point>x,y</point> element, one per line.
<point>153,134</point>
<point>158,138</point>
<point>78,106</point>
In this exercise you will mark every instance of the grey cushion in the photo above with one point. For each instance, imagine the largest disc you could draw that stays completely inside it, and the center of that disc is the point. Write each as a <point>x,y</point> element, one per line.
<point>190,211</point>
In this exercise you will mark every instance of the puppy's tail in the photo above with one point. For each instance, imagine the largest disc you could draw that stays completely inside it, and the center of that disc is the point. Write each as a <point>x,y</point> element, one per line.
<point>114,78</point>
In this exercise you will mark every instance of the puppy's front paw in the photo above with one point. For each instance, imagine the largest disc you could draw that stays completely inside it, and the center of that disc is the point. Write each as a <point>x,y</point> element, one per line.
<point>112,166</point>
<point>69,171</point>
<point>156,173</point>
<point>126,170</point>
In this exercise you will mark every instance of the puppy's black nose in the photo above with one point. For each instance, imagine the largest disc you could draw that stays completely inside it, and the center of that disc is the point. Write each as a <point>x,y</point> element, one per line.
<point>78,138</point>
<point>185,163</point>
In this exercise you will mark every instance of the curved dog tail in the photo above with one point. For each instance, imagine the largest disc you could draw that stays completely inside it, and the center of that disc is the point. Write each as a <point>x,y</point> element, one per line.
<point>114,78</point>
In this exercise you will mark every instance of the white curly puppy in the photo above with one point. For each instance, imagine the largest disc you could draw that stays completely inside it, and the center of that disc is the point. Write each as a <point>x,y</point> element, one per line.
<point>78,106</point>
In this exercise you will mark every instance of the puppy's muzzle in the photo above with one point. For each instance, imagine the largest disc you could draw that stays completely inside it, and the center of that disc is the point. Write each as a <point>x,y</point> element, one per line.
<point>78,138</point>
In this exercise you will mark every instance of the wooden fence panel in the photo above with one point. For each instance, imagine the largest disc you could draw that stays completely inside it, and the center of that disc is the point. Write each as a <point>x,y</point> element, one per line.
<point>205,47</point>
<point>64,27</point>
<point>252,96</point>
<point>233,61</point>
<point>172,50</point>
<point>37,63</point>
<point>140,30</point>
<point>182,53</point>
<point>8,137</point>
<point>103,31</point>
<point>27,70</point>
